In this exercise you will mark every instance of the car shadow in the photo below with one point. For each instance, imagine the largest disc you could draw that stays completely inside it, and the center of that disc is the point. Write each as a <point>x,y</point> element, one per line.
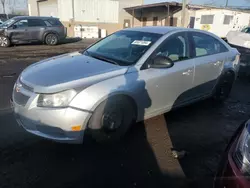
<point>67,40</point>
<point>70,40</point>
<point>203,130</point>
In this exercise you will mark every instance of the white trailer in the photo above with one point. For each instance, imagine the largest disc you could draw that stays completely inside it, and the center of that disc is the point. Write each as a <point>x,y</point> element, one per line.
<point>221,21</point>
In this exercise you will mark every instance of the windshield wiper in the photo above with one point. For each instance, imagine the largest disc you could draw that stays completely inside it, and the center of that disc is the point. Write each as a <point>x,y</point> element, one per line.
<point>100,58</point>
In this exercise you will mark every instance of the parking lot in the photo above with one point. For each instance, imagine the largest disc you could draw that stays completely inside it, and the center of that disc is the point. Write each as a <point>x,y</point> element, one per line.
<point>142,159</point>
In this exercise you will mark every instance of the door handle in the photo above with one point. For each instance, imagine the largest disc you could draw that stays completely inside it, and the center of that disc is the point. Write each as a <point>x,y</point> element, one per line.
<point>217,63</point>
<point>187,72</point>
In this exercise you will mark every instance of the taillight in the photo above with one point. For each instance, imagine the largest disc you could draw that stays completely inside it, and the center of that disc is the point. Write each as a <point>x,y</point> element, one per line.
<point>236,60</point>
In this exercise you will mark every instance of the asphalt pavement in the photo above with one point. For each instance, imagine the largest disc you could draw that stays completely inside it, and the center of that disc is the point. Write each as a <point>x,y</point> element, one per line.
<point>142,159</point>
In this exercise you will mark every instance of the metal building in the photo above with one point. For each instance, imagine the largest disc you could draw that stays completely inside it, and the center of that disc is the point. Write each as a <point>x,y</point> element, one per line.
<point>106,14</point>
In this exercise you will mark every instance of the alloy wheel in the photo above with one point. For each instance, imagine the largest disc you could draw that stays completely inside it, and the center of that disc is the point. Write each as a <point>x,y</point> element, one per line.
<point>112,120</point>
<point>3,41</point>
<point>51,39</point>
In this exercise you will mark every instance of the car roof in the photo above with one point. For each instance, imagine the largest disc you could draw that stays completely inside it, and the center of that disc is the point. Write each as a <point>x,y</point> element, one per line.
<point>33,17</point>
<point>167,29</point>
<point>156,29</point>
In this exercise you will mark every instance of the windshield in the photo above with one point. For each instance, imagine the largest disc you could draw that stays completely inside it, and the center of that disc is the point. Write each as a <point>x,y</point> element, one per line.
<point>8,23</point>
<point>246,30</point>
<point>124,47</point>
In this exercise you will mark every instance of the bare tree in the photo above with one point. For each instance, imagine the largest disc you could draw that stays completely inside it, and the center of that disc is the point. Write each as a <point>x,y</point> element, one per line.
<point>3,5</point>
<point>12,5</point>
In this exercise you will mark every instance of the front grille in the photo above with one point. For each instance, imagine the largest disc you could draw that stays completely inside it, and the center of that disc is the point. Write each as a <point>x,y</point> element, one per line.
<point>20,98</point>
<point>52,131</point>
<point>27,87</point>
<point>238,159</point>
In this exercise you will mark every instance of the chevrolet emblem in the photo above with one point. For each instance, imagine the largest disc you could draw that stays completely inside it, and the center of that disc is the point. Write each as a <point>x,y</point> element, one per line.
<point>18,87</point>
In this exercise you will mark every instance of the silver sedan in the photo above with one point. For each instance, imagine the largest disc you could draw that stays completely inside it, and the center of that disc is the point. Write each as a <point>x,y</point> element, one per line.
<point>131,75</point>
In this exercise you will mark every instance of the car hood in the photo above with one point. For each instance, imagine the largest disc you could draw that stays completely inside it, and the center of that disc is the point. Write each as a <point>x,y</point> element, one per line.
<point>68,71</point>
<point>239,38</point>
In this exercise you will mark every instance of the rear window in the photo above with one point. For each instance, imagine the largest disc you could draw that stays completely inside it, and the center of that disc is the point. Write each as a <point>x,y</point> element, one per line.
<point>36,23</point>
<point>53,22</point>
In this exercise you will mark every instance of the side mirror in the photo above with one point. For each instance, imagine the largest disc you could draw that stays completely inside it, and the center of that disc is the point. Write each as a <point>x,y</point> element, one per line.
<point>14,26</point>
<point>162,62</point>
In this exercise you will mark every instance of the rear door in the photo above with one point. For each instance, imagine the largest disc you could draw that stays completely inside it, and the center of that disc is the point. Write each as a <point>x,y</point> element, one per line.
<point>36,28</point>
<point>209,58</point>
<point>56,26</point>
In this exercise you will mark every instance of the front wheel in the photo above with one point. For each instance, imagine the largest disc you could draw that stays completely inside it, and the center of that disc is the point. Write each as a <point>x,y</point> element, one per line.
<point>51,39</point>
<point>224,86</point>
<point>111,119</point>
<point>4,41</point>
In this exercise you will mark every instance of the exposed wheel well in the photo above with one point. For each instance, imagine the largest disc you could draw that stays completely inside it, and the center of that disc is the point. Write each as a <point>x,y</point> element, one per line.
<point>132,101</point>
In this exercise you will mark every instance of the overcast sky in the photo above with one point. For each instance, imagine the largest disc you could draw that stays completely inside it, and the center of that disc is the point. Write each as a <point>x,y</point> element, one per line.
<point>20,5</point>
<point>202,2</point>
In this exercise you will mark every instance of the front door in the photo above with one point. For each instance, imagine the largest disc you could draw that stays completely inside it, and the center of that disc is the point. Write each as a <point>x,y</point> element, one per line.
<point>169,87</point>
<point>19,31</point>
<point>209,60</point>
<point>191,22</point>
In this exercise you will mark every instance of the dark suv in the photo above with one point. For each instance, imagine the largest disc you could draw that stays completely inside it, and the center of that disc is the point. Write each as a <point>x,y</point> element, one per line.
<point>27,29</point>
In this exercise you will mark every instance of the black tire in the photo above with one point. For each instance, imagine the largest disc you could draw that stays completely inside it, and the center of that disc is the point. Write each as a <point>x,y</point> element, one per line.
<point>51,39</point>
<point>224,87</point>
<point>111,120</point>
<point>4,41</point>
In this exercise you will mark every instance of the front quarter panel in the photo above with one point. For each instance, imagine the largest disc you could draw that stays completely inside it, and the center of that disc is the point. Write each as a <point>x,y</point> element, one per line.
<point>127,84</point>
<point>2,32</point>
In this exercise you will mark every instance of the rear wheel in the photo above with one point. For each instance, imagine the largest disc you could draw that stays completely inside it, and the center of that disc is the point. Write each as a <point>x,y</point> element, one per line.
<point>51,39</point>
<point>224,87</point>
<point>111,119</point>
<point>4,41</point>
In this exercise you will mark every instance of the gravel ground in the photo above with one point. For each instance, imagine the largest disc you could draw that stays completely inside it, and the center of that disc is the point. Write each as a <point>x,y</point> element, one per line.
<point>142,159</point>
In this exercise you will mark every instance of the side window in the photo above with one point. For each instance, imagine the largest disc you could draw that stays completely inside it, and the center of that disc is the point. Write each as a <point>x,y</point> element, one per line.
<point>207,45</point>
<point>227,19</point>
<point>36,23</point>
<point>175,47</point>
<point>21,24</point>
<point>207,19</point>
<point>246,30</point>
<point>53,22</point>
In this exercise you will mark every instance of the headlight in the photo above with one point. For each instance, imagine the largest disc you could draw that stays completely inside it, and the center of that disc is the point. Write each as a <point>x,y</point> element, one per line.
<point>242,153</point>
<point>61,99</point>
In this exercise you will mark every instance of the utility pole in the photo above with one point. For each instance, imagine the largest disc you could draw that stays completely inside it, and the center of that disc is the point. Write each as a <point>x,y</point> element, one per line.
<point>183,15</point>
<point>226,3</point>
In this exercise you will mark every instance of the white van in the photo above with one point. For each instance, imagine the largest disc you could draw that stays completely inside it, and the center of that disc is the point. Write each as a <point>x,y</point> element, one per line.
<point>221,21</point>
